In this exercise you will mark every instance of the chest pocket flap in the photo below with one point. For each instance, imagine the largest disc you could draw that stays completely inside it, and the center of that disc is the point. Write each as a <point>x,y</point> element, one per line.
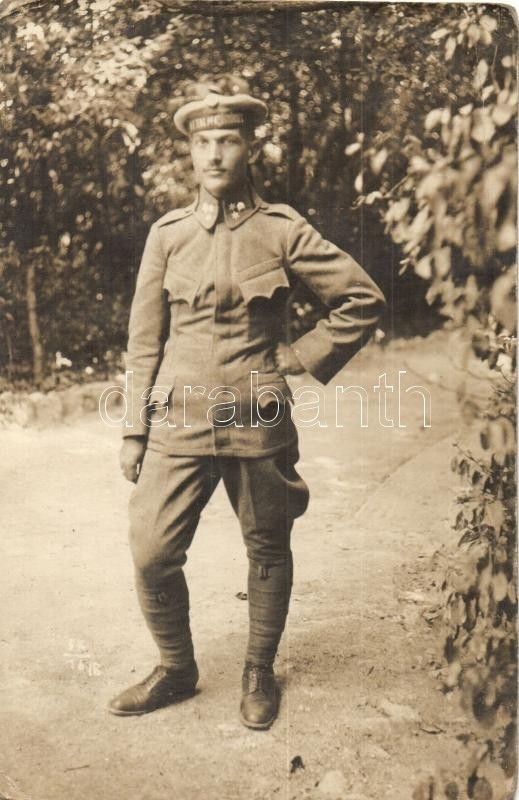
<point>262,279</point>
<point>180,287</point>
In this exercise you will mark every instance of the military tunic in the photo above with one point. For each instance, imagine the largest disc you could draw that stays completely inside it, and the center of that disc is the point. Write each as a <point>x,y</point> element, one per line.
<point>208,312</point>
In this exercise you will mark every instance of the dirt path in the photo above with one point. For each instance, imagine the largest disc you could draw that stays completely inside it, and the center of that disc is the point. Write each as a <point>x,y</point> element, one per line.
<point>361,706</point>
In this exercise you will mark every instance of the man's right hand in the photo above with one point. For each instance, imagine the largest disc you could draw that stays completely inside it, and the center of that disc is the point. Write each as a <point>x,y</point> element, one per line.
<point>131,455</point>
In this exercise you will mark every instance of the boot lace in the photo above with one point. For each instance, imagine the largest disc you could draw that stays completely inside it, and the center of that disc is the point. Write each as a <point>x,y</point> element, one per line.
<point>258,677</point>
<point>154,678</point>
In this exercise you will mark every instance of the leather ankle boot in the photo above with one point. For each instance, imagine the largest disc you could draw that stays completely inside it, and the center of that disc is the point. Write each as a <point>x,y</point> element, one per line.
<point>161,688</point>
<point>260,698</point>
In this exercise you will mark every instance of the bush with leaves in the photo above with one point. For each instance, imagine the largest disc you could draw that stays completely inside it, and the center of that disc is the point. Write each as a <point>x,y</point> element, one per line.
<point>453,217</point>
<point>90,155</point>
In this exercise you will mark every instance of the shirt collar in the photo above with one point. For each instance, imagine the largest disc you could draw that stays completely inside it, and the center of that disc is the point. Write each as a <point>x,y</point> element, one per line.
<point>236,207</point>
<point>206,208</point>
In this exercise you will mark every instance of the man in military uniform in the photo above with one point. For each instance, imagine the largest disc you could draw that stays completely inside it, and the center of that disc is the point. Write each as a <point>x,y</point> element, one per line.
<point>208,352</point>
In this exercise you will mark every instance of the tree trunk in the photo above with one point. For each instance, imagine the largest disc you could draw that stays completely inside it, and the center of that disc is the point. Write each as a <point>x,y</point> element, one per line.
<point>34,326</point>
<point>295,178</point>
<point>10,355</point>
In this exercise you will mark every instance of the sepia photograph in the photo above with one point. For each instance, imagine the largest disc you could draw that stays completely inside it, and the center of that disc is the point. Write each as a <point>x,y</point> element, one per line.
<point>258,349</point>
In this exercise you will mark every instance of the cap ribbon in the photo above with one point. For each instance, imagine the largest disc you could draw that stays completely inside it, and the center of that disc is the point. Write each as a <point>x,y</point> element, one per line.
<point>222,120</point>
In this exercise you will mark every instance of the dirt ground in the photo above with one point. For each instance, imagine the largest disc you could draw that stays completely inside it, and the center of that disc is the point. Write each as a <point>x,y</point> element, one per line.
<point>362,712</point>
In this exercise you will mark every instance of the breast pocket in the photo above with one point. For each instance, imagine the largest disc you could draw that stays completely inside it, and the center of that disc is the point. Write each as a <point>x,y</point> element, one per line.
<point>263,279</point>
<point>181,287</point>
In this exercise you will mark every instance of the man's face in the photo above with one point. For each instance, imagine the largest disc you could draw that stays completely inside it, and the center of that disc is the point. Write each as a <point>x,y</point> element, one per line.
<point>220,158</point>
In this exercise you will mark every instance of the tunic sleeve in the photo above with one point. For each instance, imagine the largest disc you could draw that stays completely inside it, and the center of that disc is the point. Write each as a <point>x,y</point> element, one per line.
<point>146,330</point>
<point>354,300</point>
